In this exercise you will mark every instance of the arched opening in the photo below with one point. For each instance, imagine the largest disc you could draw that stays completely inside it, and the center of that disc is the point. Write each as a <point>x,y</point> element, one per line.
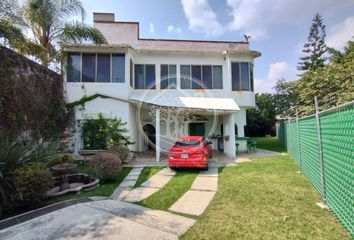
<point>150,133</point>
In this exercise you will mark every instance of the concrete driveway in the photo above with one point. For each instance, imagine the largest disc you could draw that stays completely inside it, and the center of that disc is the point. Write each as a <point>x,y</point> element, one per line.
<point>106,219</point>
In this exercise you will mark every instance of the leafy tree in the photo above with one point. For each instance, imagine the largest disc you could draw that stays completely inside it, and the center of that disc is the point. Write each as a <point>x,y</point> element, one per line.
<point>49,21</point>
<point>101,133</point>
<point>261,119</point>
<point>285,98</point>
<point>332,82</point>
<point>316,47</point>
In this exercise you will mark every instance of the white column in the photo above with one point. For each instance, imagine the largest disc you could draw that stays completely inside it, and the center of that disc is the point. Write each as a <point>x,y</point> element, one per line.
<point>229,132</point>
<point>157,129</point>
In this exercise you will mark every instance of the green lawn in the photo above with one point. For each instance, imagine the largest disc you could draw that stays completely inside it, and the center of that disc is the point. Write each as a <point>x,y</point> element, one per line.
<point>146,174</point>
<point>265,199</point>
<point>269,143</point>
<point>172,191</point>
<point>104,190</point>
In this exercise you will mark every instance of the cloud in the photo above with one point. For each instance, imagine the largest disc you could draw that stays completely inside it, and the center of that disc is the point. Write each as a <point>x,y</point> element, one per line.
<point>152,28</point>
<point>173,29</point>
<point>341,33</point>
<point>254,17</point>
<point>201,17</point>
<point>276,71</point>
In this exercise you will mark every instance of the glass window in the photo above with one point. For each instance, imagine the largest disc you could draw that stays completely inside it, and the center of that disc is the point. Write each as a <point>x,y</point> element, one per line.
<point>131,73</point>
<point>196,77</point>
<point>150,76</point>
<point>164,76</point>
<point>245,77</point>
<point>88,67</point>
<point>172,71</point>
<point>251,77</point>
<point>103,68</point>
<point>217,77</point>
<point>118,68</point>
<point>185,77</point>
<point>139,76</point>
<point>207,77</point>
<point>235,74</point>
<point>74,67</point>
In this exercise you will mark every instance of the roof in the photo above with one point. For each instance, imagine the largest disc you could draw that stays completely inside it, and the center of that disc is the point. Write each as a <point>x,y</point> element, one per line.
<point>174,100</point>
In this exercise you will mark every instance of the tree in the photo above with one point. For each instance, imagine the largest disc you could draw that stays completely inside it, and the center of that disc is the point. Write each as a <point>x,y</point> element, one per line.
<point>332,84</point>
<point>285,98</point>
<point>261,119</point>
<point>49,21</point>
<point>316,47</point>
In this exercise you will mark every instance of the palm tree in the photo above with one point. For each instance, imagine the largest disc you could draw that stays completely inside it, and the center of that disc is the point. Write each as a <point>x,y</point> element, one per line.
<point>49,21</point>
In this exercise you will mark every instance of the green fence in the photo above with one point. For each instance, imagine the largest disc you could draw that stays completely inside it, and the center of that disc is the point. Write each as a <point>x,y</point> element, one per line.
<point>323,147</point>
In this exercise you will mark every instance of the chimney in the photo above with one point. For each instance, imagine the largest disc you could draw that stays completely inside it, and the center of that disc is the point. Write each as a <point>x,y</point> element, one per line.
<point>103,17</point>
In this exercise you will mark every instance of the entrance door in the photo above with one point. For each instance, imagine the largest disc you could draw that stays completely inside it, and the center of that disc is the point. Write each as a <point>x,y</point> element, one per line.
<point>197,129</point>
<point>150,134</point>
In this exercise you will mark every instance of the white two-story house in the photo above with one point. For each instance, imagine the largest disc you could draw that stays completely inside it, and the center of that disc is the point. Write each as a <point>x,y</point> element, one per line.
<point>162,88</point>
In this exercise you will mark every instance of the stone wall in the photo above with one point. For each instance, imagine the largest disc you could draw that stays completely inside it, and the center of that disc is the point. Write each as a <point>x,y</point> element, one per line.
<point>31,98</point>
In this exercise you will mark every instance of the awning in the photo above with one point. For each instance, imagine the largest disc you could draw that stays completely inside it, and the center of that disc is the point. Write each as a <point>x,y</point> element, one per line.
<point>190,103</point>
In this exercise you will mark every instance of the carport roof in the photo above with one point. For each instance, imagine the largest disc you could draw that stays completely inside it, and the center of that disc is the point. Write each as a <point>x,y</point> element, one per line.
<point>186,102</point>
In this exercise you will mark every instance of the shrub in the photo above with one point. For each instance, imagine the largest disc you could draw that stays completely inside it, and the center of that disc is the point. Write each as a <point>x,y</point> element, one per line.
<point>14,155</point>
<point>61,158</point>
<point>105,166</point>
<point>122,152</point>
<point>32,182</point>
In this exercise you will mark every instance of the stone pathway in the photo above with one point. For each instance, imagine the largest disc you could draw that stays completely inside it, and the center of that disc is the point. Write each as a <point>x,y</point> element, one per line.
<point>196,200</point>
<point>107,219</point>
<point>151,186</point>
<point>127,184</point>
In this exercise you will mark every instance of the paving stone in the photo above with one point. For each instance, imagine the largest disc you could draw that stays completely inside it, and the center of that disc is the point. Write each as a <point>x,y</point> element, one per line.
<point>166,172</point>
<point>127,183</point>
<point>140,193</point>
<point>205,183</point>
<point>131,178</point>
<point>193,202</point>
<point>84,223</point>
<point>161,220</point>
<point>120,193</point>
<point>211,172</point>
<point>157,181</point>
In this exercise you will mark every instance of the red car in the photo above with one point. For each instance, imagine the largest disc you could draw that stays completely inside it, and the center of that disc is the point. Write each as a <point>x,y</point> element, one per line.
<point>190,151</point>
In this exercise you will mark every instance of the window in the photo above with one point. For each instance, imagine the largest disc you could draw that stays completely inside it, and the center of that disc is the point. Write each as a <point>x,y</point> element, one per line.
<point>251,77</point>
<point>131,72</point>
<point>242,76</point>
<point>196,77</point>
<point>144,76</point>
<point>168,76</point>
<point>103,68</point>
<point>206,76</point>
<point>91,67</point>
<point>185,77</point>
<point>217,77</point>
<point>118,68</point>
<point>74,67</point>
<point>88,67</point>
<point>245,77</point>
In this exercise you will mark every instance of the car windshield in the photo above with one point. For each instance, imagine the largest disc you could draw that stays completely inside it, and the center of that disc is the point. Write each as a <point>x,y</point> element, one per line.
<point>187,143</point>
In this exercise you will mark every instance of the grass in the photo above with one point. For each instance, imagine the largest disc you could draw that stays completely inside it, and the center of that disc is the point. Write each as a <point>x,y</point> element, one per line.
<point>269,143</point>
<point>172,191</point>
<point>265,199</point>
<point>104,190</point>
<point>146,174</point>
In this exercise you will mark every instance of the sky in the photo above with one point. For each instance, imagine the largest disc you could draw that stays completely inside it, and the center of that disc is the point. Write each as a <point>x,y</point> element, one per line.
<point>278,28</point>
